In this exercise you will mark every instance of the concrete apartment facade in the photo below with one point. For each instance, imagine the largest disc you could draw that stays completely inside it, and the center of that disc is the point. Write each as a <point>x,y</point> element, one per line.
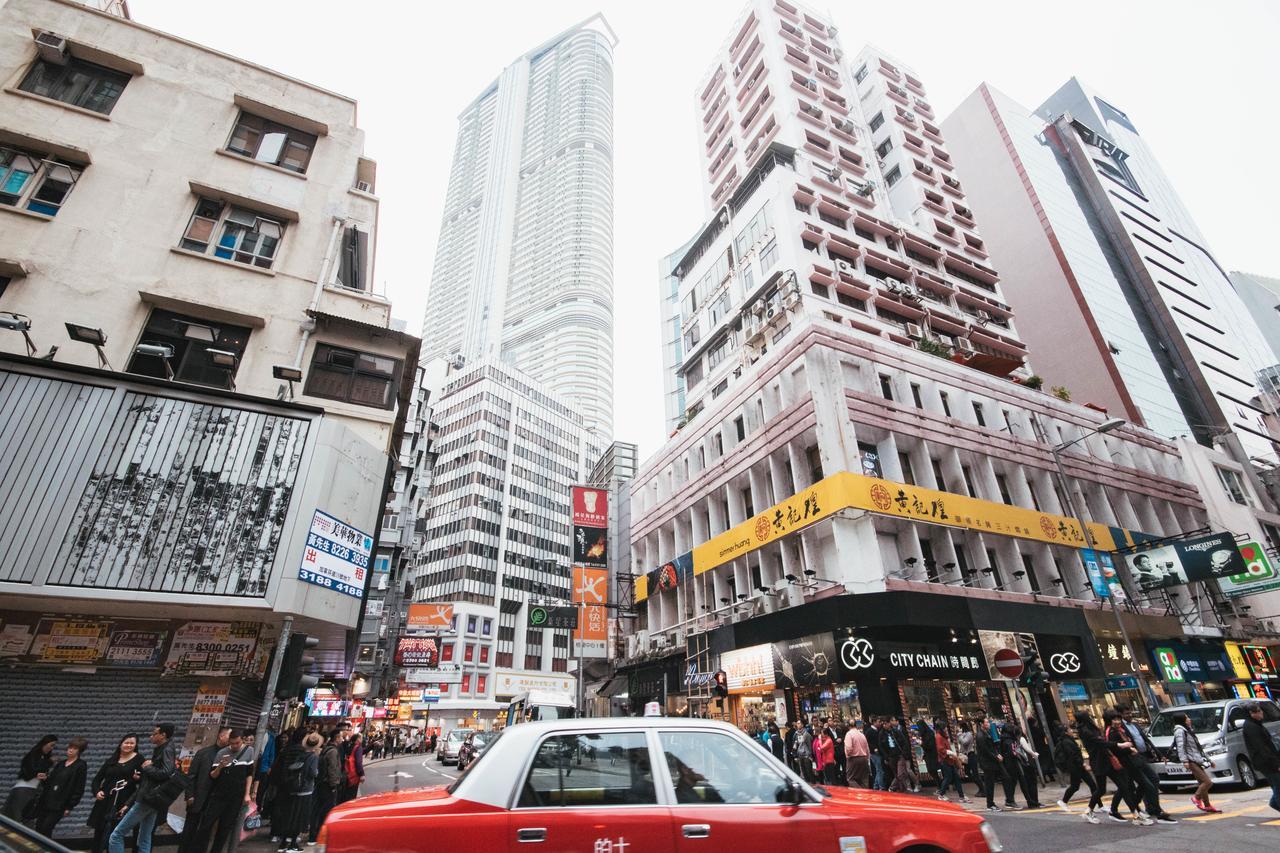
<point>859,442</point>
<point>210,224</point>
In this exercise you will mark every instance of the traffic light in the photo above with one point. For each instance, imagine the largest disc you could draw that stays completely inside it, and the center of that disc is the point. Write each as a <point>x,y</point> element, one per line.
<point>1033,674</point>
<point>721,683</point>
<point>294,680</point>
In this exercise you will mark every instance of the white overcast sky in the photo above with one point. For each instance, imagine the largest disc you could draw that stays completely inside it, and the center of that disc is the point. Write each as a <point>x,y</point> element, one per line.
<point>1198,79</point>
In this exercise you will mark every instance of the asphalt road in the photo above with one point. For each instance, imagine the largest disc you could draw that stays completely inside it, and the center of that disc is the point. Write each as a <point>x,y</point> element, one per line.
<point>1247,823</point>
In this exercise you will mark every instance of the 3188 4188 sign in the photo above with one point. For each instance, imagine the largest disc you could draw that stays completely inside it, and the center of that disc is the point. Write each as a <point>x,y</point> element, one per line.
<point>336,556</point>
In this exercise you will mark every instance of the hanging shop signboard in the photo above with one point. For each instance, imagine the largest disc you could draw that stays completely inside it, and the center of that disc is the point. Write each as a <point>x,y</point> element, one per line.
<point>1213,556</point>
<point>1259,574</point>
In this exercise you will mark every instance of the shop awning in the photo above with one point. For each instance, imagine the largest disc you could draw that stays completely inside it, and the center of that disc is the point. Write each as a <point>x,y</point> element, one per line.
<point>615,686</point>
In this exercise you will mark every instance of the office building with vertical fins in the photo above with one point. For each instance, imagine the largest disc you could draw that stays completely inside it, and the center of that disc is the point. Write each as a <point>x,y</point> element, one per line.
<point>524,267</point>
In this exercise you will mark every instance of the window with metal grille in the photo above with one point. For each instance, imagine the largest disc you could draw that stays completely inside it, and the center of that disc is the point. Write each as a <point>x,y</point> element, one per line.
<point>364,379</point>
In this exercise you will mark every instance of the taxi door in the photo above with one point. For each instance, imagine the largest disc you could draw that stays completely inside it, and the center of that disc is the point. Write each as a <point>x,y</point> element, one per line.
<point>590,792</point>
<point>728,795</point>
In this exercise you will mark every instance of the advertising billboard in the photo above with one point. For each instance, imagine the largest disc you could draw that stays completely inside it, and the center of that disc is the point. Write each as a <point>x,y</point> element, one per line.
<point>336,556</point>
<point>590,526</point>
<point>429,617</point>
<point>1258,575</point>
<point>591,592</point>
<point>1213,556</point>
<point>417,652</point>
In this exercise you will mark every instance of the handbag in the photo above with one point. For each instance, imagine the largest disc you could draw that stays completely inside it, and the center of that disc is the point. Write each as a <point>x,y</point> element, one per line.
<point>162,796</point>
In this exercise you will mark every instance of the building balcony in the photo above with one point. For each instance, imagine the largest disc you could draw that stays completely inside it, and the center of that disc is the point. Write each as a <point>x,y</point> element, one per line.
<point>787,11</point>
<point>709,90</point>
<point>792,34</point>
<point>804,195</point>
<point>799,59</point>
<point>747,85</point>
<point>898,94</point>
<point>714,112</point>
<point>744,35</point>
<point>952,186</point>
<point>932,132</point>
<point>889,70</point>
<point>747,59</point>
<point>844,129</point>
<point>835,103</point>
<point>811,114</point>
<point>914,85</point>
<point>914,145</point>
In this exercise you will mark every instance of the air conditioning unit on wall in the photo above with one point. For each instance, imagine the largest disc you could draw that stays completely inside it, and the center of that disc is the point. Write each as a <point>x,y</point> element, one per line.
<point>52,47</point>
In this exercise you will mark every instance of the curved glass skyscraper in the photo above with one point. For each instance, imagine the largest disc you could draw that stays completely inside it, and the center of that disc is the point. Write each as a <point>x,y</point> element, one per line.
<point>524,267</point>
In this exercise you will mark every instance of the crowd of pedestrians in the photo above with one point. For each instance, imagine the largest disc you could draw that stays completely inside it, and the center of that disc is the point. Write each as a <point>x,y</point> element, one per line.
<point>885,753</point>
<point>300,775</point>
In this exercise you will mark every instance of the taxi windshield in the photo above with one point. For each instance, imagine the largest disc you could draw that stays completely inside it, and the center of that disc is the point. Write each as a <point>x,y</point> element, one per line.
<point>492,738</point>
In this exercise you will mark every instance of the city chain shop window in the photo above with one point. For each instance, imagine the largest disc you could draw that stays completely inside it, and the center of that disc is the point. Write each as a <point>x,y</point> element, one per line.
<point>192,340</point>
<point>76,82</point>
<point>233,233</point>
<point>353,377</point>
<point>268,142</point>
<point>32,182</point>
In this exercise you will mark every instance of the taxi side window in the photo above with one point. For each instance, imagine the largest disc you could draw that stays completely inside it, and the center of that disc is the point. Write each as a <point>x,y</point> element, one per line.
<point>711,767</point>
<point>1270,713</point>
<point>598,769</point>
<point>1237,713</point>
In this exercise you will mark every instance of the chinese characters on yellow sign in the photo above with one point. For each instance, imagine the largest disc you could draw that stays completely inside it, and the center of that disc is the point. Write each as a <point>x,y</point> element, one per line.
<point>846,490</point>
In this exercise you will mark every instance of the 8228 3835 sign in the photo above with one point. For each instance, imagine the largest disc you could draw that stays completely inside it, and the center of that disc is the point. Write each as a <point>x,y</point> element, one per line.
<point>336,556</point>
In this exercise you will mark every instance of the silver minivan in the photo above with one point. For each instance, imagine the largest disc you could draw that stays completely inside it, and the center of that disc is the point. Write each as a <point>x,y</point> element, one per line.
<point>1217,724</point>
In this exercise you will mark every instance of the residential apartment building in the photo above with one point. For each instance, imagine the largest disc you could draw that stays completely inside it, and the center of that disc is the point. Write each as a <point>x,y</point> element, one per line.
<point>1109,273</point>
<point>866,475</point>
<point>498,534</point>
<point>201,390</point>
<point>673,390</point>
<point>524,267</point>
<point>401,537</point>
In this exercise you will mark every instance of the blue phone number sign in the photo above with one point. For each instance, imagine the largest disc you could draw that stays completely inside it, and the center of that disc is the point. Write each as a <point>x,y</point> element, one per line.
<point>336,556</point>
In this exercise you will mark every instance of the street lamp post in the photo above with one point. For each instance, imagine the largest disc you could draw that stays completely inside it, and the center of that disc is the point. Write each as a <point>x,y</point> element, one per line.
<point>1106,426</point>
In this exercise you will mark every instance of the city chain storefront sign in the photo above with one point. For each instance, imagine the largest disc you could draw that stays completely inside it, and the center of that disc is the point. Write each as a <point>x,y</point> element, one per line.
<point>927,653</point>
<point>846,490</point>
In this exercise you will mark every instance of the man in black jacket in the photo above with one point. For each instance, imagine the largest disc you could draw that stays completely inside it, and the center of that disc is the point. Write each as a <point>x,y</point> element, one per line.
<point>872,732</point>
<point>990,761</point>
<point>197,786</point>
<point>156,770</point>
<point>1262,751</point>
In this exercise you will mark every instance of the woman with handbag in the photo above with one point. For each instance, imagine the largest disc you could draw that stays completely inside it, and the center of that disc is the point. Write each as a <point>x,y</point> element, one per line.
<point>62,789</point>
<point>31,772</point>
<point>113,786</point>
<point>1104,756</point>
<point>1192,756</point>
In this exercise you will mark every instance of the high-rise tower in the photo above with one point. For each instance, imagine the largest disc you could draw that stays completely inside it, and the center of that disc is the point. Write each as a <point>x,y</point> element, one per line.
<point>524,267</point>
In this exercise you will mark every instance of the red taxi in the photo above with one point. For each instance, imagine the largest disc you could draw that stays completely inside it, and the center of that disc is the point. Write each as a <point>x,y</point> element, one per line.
<point>642,785</point>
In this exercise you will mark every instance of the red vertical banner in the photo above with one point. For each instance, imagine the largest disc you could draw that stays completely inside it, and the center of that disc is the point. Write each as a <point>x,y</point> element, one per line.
<point>591,592</point>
